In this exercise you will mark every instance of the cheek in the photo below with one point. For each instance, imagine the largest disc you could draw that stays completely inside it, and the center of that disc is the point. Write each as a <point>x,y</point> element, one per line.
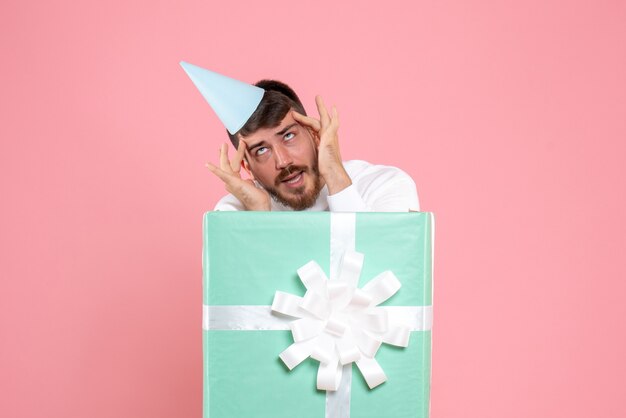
<point>308,153</point>
<point>268,178</point>
<point>262,174</point>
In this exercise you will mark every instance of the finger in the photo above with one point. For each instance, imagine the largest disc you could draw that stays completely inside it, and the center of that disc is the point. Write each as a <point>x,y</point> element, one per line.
<point>235,164</point>
<point>334,122</point>
<point>225,177</point>
<point>324,118</point>
<point>246,153</point>
<point>224,163</point>
<point>306,120</point>
<point>230,181</point>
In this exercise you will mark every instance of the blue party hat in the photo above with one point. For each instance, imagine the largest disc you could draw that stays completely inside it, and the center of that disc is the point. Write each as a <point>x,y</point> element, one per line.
<point>232,100</point>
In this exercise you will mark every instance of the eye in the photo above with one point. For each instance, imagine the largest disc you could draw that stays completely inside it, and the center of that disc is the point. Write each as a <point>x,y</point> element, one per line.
<point>289,136</point>
<point>260,151</point>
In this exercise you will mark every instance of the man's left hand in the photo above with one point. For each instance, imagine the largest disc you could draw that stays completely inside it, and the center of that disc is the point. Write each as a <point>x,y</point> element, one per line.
<point>329,158</point>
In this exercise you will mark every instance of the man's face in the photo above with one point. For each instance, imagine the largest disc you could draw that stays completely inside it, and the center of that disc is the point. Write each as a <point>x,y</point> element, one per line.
<point>284,161</point>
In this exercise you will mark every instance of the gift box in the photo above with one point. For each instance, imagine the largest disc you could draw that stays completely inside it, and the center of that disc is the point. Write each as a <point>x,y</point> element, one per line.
<point>255,261</point>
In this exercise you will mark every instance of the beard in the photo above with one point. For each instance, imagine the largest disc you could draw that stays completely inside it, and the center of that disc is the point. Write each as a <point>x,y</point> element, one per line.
<point>298,198</point>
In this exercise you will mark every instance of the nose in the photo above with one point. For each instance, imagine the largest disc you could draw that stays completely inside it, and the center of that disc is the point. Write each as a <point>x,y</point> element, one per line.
<point>282,157</point>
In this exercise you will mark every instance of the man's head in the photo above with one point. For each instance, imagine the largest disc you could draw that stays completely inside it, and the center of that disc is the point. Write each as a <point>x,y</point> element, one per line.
<point>281,154</point>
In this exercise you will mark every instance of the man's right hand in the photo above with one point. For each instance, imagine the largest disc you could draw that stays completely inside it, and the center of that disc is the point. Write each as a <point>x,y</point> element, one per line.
<point>252,197</point>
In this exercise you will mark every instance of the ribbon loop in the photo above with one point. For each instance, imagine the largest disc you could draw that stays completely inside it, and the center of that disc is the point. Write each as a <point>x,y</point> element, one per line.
<point>324,349</point>
<point>296,353</point>
<point>398,336</point>
<point>315,304</point>
<point>351,265</point>
<point>382,287</point>
<point>348,350</point>
<point>335,327</point>
<point>338,323</point>
<point>287,304</point>
<point>313,277</point>
<point>368,344</point>
<point>371,371</point>
<point>360,300</point>
<point>329,375</point>
<point>305,328</point>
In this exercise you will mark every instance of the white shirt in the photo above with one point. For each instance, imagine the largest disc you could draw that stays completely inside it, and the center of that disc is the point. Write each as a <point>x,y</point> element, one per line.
<point>374,188</point>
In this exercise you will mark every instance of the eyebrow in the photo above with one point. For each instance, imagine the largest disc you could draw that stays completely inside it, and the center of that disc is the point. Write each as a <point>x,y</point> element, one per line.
<point>285,129</point>
<point>253,146</point>
<point>279,133</point>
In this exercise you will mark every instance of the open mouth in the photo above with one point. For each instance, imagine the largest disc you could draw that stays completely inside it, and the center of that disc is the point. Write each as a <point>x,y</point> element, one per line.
<point>294,180</point>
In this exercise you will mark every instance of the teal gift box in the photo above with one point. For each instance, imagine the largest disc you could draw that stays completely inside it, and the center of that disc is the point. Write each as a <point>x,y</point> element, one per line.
<point>248,256</point>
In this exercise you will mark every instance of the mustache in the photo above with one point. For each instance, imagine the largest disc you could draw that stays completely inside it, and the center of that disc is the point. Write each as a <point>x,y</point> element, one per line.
<point>289,170</point>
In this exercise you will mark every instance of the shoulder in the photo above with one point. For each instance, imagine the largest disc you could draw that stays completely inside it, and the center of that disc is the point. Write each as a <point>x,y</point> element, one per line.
<point>383,187</point>
<point>367,173</point>
<point>229,202</point>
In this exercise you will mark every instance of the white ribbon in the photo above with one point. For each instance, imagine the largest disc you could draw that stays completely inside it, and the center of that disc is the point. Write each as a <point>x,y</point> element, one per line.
<point>261,318</point>
<point>339,324</point>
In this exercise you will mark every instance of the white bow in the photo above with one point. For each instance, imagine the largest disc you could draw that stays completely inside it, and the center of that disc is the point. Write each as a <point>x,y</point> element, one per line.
<point>339,323</point>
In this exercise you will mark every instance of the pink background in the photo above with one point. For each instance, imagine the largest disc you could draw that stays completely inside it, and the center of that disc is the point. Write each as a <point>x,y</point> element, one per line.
<point>510,116</point>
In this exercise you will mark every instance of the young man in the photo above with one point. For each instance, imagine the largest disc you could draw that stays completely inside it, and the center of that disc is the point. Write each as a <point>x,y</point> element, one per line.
<point>293,163</point>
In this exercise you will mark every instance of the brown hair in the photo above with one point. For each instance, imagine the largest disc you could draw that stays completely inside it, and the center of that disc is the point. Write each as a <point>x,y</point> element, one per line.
<point>277,100</point>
